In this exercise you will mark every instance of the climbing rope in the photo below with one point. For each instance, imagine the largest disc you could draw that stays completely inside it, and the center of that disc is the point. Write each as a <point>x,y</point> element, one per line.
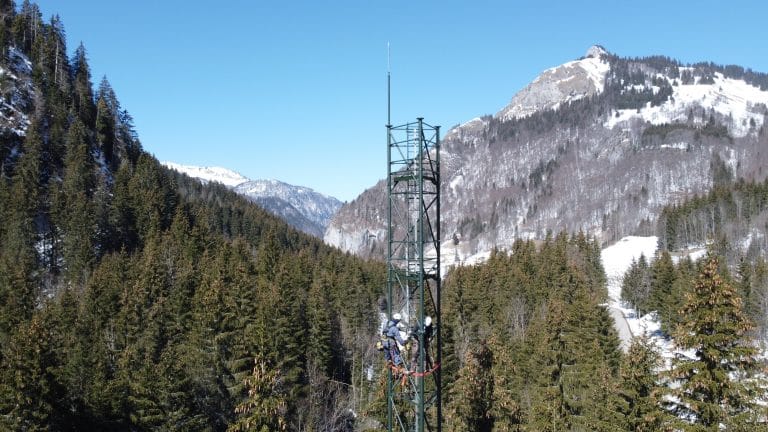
<point>400,370</point>
<point>426,372</point>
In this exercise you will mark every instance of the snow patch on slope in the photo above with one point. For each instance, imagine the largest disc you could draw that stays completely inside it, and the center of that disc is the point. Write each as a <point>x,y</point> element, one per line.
<point>212,174</point>
<point>17,92</point>
<point>618,257</point>
<point>727,97</point>
<point>313,205</point>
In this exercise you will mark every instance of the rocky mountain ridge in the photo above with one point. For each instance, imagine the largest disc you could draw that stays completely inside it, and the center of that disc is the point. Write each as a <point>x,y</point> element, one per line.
<point>301,207</point>
<point>599,144</point>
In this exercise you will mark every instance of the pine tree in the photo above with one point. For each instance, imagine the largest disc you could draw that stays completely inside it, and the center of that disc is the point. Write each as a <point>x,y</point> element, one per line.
<point>265,408</point>
<point>214,343</point>
<point>640,388</point>
<point>288,324</point>
<point>105,397</point>
<point>471,395</point>
<point>747,282</point>
<point>319,336</point>
<point>685,276</point>
<point>19,278</point>
<point>26,26</point>
<point>760,298</point>
<point>662,285</point>
<point>601,412</point>
<point>105,132</point>
<point>635,286</point>
<point>551,409</point>
<point>27,386</point>
<point>713,383</point>
<point>505,409</point>
<point>78,222</point>
<point>85,107</point>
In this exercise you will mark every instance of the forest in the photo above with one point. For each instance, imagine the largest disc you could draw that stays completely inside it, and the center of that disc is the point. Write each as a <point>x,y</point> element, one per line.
<point>133,298</point>
<point>531,346</point>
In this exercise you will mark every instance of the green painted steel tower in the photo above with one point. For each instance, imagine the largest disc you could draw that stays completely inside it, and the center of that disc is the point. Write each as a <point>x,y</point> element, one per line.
<point>413,274</point>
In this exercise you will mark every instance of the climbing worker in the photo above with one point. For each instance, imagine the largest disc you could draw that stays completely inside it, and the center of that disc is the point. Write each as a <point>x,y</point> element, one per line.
<point>392,330</point>
<point>391,353</point>
<point>392,343</point>
<point>427,334</point>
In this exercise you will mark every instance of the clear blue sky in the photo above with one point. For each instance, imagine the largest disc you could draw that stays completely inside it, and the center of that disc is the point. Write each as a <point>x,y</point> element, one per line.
<point>296,91</point>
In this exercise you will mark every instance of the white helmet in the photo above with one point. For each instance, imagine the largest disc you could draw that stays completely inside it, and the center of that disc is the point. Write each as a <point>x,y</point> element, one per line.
<point>428,321</point>
<point>397,317</point>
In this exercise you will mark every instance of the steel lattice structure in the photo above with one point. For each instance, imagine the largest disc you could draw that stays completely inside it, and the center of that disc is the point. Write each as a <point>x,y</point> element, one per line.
<point>414,401</point>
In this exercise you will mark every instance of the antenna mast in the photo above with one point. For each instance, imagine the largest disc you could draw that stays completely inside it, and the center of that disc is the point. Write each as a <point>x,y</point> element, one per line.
<point>389,86</point>
<point>414,399</point>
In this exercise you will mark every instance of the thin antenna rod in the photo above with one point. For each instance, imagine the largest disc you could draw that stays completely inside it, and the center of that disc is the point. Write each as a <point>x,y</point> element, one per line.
<point>389,104</point>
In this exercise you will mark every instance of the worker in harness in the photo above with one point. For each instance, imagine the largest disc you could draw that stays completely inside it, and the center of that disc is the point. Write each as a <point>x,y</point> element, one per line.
<point>392,342</point>
<point>427,333</point>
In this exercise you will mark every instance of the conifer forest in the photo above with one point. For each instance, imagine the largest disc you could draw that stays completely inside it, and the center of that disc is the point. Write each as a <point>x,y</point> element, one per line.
<point>135,298</point>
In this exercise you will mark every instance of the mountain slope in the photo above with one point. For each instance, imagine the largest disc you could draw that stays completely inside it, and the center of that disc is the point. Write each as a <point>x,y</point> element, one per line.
<point>209,174</point>
<point>566,154</point>
<point>569,82</point>
<point>133,297</point>
<point>17,91</point>
<point>301,207</point>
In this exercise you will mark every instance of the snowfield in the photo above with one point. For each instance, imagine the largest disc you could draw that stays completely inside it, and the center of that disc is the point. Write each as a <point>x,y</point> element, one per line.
<point>616,260</point>
<point>729,97</point>
<point>212,174</point>
<point>618,257</point>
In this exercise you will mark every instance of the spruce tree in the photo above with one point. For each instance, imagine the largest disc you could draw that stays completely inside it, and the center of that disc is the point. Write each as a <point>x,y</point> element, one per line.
<point>714,387</point>
<point>319,337</point>
<point>27,385</point>
<point>85,107</point>
<point>635,286</point>
<point>265,408</point>
<point>105,133</point>
<point>19,260</point>
<point>505,410</point>
<point>77,222</point>
<point>662,296</point>
<point>472,394</point>
<point>551,409</point>
<point>641,389</point>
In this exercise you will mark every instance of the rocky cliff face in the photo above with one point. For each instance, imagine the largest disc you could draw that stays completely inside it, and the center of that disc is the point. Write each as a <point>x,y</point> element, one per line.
<point>599,144</point>
<point>568,82</point>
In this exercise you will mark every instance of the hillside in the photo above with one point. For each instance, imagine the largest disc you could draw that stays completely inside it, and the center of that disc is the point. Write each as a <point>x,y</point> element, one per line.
<point>600,144</point>
<point>133,297</point>
<point>301,207</point>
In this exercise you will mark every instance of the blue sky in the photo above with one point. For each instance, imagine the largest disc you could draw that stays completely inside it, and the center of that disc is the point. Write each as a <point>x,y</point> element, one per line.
<point>296,91</point>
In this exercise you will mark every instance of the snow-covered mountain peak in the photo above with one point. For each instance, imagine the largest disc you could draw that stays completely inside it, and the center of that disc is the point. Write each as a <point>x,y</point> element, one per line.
<point>473,127</point>
<point>568,82</point>
<point>213,174</point>
<point>596,51</point>
<point>302,207</point>
<point>276,187</point>
<point>299,206</point>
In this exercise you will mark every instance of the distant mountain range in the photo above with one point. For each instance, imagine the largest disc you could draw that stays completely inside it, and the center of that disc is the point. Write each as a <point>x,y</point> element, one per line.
<point>599,144</point>
<point>301,207</point>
